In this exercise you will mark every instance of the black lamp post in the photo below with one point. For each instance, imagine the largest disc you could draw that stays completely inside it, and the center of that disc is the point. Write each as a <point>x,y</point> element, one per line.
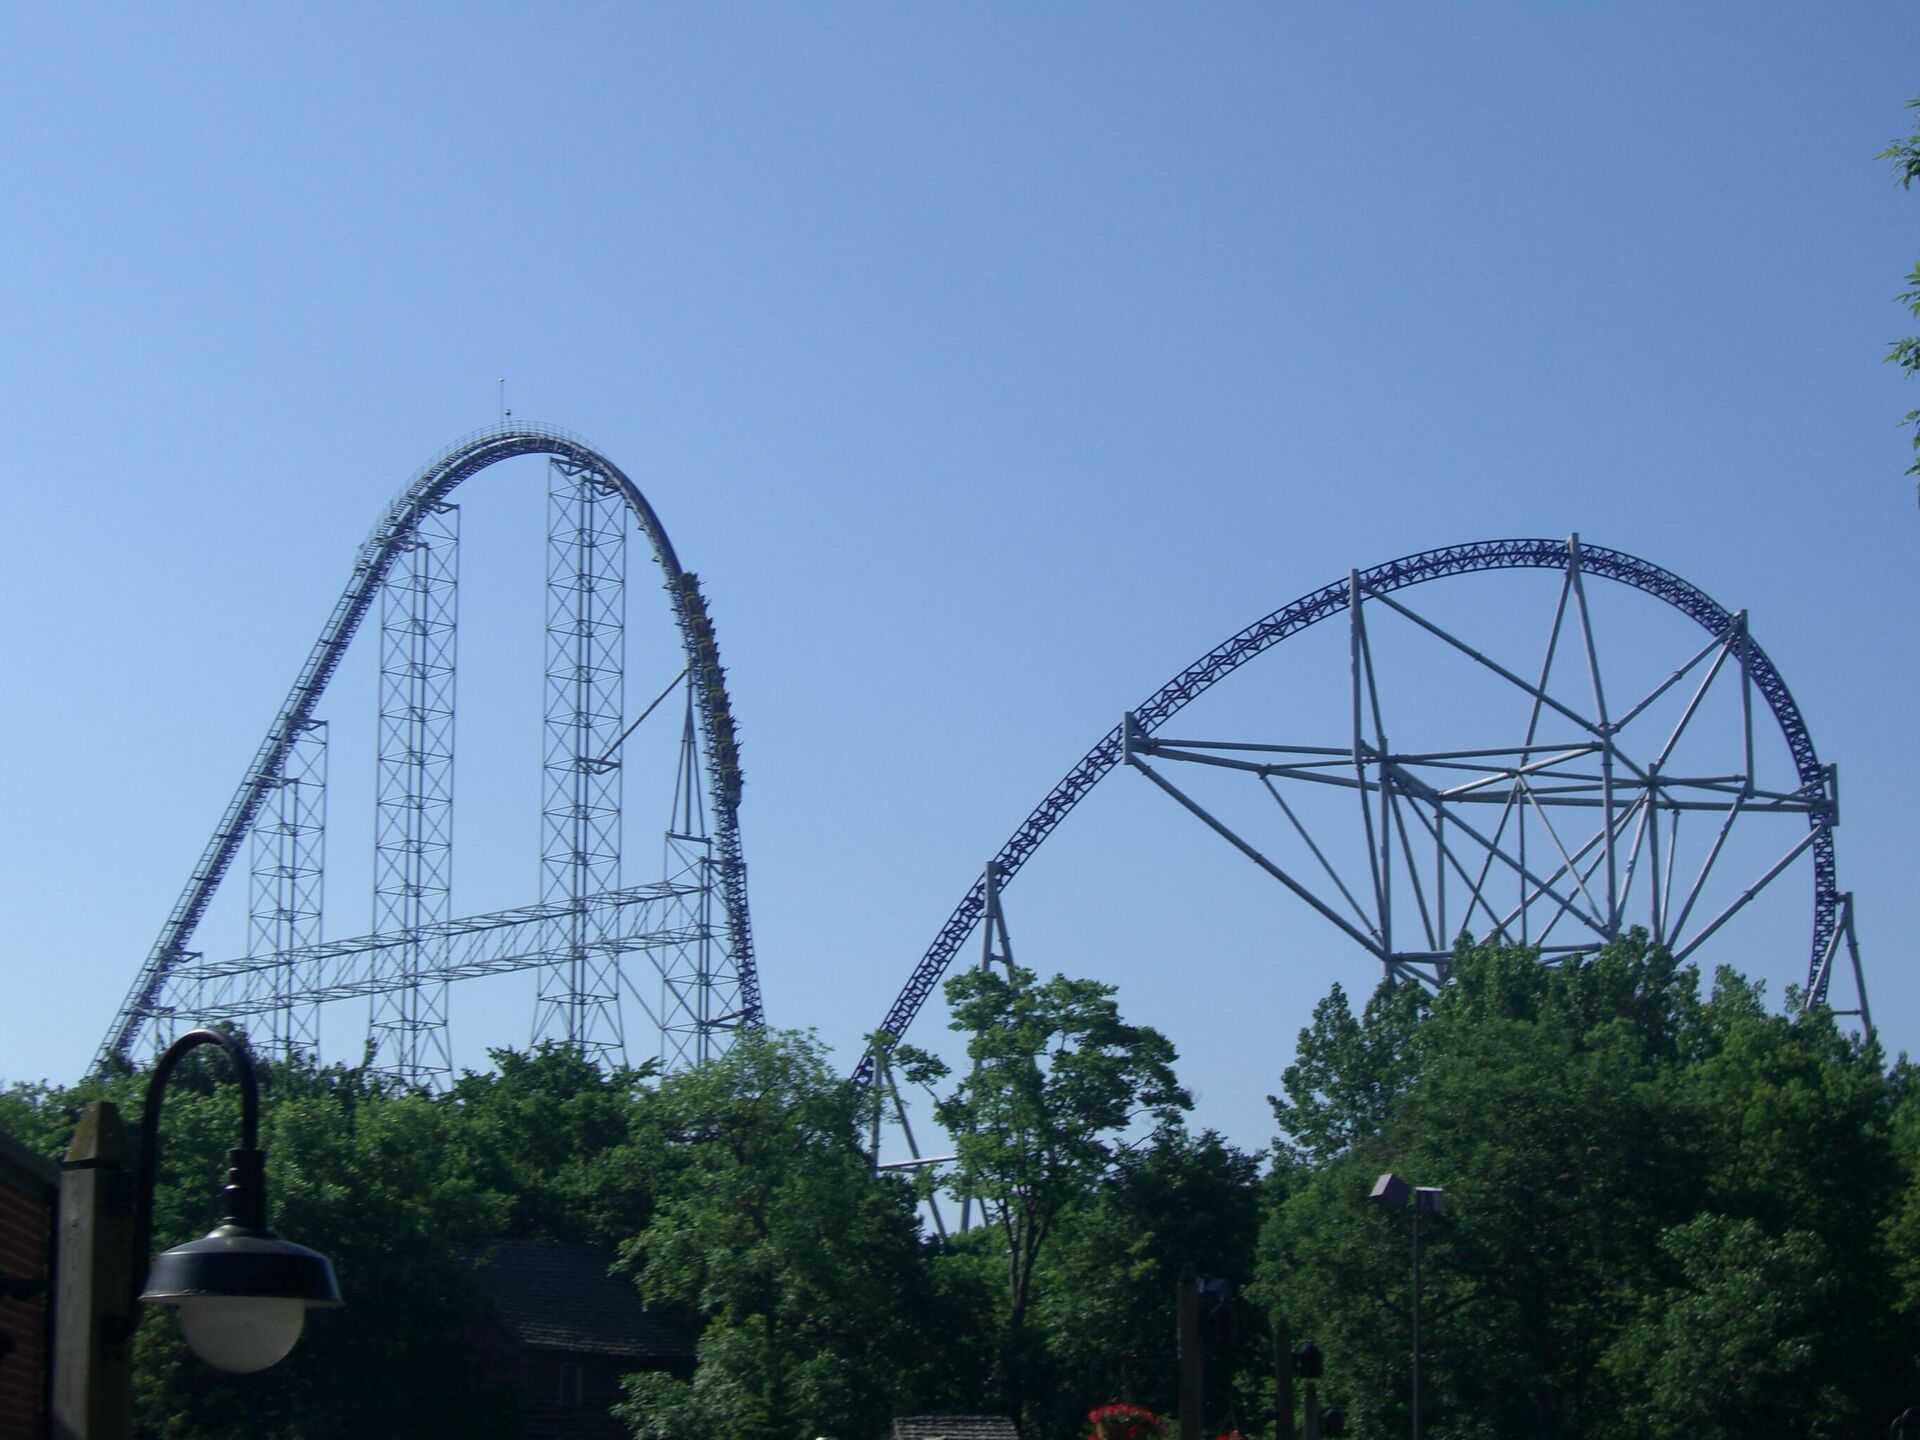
<point>1390,1192</point>
<point>243,1292</point>
<point>1309,1364</point>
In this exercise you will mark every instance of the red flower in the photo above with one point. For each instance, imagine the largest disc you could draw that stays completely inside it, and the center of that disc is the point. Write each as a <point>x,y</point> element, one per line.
<point>1125,1422</point>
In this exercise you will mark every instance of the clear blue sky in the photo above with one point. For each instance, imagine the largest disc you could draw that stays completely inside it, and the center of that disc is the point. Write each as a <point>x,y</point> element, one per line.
<point>989,363</point>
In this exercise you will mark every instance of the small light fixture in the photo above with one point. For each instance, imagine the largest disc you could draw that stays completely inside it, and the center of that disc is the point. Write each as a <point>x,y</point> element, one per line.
<point>242,1291</point>
<point>1308,1362</point>
<point>1390,1192</point>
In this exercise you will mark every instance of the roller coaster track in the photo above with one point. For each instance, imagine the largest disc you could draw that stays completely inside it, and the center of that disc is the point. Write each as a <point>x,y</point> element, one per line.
<point>1334,599</point>
<point>375,559</point>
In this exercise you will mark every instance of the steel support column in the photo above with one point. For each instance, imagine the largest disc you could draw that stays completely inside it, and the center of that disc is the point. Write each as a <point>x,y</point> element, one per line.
<point>413,800</point>
<point>579,998</point>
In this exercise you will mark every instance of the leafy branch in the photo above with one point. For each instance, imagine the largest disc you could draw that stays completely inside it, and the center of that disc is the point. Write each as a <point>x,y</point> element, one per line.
<point>1905,155</point>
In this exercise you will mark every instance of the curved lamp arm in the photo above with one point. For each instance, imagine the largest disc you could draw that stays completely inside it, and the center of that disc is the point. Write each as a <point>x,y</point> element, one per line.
<point>242,1291</point>
<point>246,1178</point>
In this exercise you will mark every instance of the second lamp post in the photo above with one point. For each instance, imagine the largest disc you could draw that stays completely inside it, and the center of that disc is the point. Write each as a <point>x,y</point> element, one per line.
<point>1390,1192</point>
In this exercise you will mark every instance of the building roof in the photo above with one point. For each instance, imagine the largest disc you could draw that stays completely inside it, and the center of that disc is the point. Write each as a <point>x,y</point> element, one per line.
<point>25,1168</point>
<point>954,1427</point>
<point>561,1297</point>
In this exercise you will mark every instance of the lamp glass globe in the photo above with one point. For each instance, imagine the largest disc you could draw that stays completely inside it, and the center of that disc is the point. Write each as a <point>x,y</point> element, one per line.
<point>241,1333</point>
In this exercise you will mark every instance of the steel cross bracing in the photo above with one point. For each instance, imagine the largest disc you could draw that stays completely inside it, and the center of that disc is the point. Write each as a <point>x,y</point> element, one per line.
<point>695,989</point>
<point>636,918</point>
<point>165,987</point>
<point>1333,599</point>
<point>1600,798</point>
<point>413,803</point>
<point>288,876</point>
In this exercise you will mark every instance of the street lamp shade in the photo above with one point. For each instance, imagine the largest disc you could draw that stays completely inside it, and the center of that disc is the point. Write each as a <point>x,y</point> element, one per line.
<point>243,1294</point>
<point>1390,1192</point>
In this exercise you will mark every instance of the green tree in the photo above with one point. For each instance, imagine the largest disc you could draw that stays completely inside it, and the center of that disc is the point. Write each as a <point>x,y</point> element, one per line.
<point>559,1137</point>
<point>1058,1080</point>
<point>1736,1347</point>
<point>1902,1225</point>
<point>1104,1297</point>
<point>1796,1126</point>
<point>1348,1072</point>
<point>803,1265</point>
<point>370,1177</point>
<point>1537,1102</point>
<point>376,1181</point>
<point>1905,155</point>
<point>1626,1168</point>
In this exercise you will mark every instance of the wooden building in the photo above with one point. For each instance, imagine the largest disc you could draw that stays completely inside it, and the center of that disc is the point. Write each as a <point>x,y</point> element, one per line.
<point>29,1196</point>
<point>561,1331</point>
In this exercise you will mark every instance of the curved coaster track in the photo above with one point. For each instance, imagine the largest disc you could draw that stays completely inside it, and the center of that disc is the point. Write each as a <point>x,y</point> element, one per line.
<point>1463,817</point>
<point>1561,834</point>
<point>692,924</point>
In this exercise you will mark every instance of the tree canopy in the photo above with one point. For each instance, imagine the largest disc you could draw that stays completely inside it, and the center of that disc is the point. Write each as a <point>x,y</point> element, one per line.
<point>769,1222</point>
<point>1673,1210</point>
<point>1622,1159</point>
<point>1039,1122</point>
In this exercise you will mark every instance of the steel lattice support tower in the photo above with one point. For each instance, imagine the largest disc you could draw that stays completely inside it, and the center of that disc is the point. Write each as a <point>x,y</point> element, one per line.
<point>287,863</point>
<point>579,998</point>
<point>413,801</point>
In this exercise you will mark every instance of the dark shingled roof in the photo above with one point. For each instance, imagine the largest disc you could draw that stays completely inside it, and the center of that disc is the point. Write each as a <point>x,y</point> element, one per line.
<point>560,1297</point>
<point>954,1427</point>
<point>26,1167</point>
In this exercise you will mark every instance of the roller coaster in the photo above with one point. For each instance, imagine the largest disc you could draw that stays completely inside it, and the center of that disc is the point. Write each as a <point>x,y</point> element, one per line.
<point>692,924</point>
<point>1525,780</point>
<point>1573,816</point>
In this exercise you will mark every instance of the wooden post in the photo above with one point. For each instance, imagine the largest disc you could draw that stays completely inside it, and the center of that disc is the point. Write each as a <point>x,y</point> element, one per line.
<point>1282,1379</point>
<point>93,1282</point>
<point>1192,1399</point>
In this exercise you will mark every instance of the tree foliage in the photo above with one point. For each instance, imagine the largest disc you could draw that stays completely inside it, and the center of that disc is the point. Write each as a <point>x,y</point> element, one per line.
<point>1105,1290</point>
<point>1040,1121</point>
<point>1348,1073</point>
<point>560,1140</point>
<point>1621,1159</point>
<point>1904,153</point>
<point>769,1223</point>
<point>1058,1079</point>
<point>1669,1214</point>
<point>372,1177</point>
<point>1734,1346</point>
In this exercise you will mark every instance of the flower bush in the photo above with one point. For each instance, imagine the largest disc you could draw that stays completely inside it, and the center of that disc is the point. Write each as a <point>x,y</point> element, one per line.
<point>1125,1422</point>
